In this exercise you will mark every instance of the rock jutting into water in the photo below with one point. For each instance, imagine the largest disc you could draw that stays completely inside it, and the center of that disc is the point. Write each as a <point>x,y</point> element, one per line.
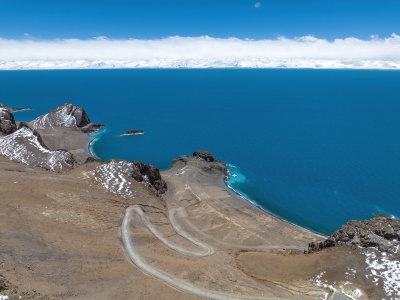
<point>214,166</point>
<point>381,232</point>
<point>14,109</point>
<point>204,155</point>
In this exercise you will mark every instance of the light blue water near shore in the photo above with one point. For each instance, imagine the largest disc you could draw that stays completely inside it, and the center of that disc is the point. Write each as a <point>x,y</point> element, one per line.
<point>317,147</point>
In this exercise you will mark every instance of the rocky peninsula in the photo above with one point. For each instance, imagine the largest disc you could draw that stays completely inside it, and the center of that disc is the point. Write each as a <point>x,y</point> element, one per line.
<point>75,227</point>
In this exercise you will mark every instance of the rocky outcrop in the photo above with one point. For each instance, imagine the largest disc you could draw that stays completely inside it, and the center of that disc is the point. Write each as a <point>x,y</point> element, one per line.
<point>7,122</point>
<point>66,115</point>
<point>92,127</point>
<point>381,232</point>
<point>115,177</point>
<point>150,176</point>
<point>205,161</point>
<point>204,155</point>
<point>25,146</point>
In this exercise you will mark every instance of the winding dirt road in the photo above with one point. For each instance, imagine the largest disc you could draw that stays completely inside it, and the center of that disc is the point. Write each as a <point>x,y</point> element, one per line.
<point>148,269</point>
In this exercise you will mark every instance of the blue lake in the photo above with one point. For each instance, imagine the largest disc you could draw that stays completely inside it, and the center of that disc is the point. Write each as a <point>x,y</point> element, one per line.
<point>316,147</point>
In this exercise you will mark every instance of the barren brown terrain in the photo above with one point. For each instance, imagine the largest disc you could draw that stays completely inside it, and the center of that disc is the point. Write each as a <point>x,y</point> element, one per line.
<point>61,238</point>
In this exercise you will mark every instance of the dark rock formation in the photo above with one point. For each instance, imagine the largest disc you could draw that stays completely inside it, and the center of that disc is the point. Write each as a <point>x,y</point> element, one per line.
<point>114,176</point>
<point>66,115</point>
<point>92,127</point>
<point>382,232</point>
<point>7,122</point>
<point>149,175</point>
<point>132,132</point>
<point>204,155</point>
<point>205,161</point>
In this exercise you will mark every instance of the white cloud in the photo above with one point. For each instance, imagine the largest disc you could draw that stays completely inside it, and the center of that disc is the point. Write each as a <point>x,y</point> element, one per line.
<point>257,5</point>
<point>201,52</point>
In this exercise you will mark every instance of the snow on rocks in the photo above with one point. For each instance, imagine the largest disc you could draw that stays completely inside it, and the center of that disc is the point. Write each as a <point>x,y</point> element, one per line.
<point>113,177</point>
<point>116,174</point>
<point>25,146</point>
<point>66,115</point>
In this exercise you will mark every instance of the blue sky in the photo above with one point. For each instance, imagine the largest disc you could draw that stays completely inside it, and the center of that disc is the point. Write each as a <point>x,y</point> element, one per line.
<point>144,19</point>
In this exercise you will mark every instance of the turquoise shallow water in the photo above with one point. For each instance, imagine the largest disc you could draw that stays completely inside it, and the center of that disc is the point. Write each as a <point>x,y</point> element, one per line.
<point>317,147</point>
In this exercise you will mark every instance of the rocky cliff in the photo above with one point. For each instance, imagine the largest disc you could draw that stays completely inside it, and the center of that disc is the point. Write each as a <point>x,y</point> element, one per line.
<point>381,232</point>
<point>7,122</point>
<point>66,115</point>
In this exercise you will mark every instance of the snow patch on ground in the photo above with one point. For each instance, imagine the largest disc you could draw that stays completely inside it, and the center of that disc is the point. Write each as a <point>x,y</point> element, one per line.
<point>350,273</point>
<point>344,288</point>
<point>112,176</point>
<point>23,146</point>
<point>384,268</point>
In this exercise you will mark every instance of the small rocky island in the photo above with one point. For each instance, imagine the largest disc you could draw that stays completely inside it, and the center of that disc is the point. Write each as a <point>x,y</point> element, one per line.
<point>132,132</point>
<point>74,226</point>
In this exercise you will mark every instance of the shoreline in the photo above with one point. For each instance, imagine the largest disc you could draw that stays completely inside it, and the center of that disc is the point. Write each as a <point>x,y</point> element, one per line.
<point>92,139</point>
<point>239,196</point>
<point>89,145</point>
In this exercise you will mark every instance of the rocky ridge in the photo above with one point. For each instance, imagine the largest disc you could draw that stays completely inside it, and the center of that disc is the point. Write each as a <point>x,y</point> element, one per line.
<point>381,232</point>
<point>65,115</point>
